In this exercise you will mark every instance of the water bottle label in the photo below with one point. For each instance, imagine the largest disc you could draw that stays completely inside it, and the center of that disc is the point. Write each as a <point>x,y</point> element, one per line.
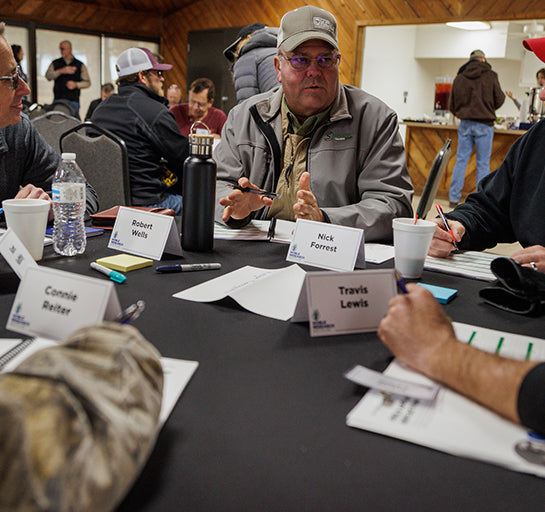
<point>68,192</point>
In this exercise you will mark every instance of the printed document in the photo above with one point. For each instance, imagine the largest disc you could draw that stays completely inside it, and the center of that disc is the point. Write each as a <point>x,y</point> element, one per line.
<point>467,264</point>
<point>453,423</point>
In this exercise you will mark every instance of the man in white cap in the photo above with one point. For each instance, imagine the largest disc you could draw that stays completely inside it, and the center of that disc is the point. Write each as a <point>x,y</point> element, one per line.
<point>508,205</point>
<point>138,114</point>
<point>331,152</point>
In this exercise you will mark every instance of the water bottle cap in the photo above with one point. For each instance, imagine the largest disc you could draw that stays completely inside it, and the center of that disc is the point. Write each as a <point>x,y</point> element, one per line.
<point>69,156</point>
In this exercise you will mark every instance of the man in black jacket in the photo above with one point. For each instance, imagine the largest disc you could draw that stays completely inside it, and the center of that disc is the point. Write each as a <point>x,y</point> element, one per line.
<point>138,114</point>
<point>476,94</point>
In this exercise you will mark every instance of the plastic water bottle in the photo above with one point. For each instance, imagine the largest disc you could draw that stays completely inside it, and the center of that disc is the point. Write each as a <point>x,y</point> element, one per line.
<point>68,191</point>
<point>199,195</point>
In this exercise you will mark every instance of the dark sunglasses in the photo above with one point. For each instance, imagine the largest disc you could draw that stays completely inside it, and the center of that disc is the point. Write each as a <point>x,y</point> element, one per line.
<point>14,79</point>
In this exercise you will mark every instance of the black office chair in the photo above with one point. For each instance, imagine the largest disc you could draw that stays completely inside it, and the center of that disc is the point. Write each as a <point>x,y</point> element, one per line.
<point>103,160</point>
<point>432,183</point>
<point>52,125</point>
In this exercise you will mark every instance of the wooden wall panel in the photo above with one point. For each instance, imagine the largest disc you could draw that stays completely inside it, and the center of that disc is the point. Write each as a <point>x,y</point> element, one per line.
<point>352,16</point>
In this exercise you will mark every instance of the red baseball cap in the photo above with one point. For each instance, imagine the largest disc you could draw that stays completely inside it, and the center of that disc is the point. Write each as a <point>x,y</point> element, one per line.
<point>537,46</point>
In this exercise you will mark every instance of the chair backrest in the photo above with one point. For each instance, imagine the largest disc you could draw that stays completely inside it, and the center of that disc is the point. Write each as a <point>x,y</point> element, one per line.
<point>65,106</point>
<point>432,183</point>
<point>104,162</point>
<point>52,125</point>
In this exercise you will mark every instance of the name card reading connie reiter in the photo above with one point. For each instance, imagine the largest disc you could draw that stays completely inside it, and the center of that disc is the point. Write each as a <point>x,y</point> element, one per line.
<point>326,245</point>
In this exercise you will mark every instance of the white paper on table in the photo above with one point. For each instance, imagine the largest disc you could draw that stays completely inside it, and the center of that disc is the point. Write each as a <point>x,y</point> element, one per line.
<point>256,230</point>
<point>176,372</point>
<point>378,253</point>
<point>270,293</point>
<point>454,424</point>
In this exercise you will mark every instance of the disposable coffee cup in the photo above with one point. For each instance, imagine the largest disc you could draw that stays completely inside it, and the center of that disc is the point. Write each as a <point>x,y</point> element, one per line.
<point>411,244</point>
<point>28,219</point>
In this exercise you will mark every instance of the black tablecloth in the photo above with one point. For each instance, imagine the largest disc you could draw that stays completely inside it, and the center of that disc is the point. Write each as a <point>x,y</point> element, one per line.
<point>261,425</point>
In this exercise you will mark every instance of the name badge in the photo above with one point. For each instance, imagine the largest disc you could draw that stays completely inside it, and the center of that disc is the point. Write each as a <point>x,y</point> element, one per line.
<point>15,253</point>
<point>327,245</point>
<point>345,302</point>
<point>145,234</point>
<point>53,303</point>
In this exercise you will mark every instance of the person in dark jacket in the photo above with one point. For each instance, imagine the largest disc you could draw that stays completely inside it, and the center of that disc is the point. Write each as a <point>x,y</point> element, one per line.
<point>252,55</point>
<point>70,75</point>
<point>475,97</point>
<point>139,115</point>
<point>106,90</point>
<point>508,205</point>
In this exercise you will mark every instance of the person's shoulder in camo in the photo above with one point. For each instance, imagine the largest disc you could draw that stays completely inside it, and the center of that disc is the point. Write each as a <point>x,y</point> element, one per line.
<point>78,421</point>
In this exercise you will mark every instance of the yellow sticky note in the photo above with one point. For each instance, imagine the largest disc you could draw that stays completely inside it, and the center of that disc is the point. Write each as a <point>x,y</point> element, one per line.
<point>124,262</point>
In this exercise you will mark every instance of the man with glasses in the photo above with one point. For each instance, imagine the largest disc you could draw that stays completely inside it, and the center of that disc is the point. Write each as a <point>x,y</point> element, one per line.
<point>330,151</point>
<point>27,161</point>
<point>70,75</point>
<point>138,114</point>
<point>199,108</point>
<point>174,95</point>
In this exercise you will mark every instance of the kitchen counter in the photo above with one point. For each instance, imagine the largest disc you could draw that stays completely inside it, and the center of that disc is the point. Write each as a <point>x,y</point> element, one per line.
<point>424,140</point>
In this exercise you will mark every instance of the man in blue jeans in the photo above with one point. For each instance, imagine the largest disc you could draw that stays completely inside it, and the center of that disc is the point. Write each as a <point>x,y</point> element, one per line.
<point>475,97</point>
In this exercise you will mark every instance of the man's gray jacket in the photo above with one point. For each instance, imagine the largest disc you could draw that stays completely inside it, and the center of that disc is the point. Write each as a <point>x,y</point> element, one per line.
<point>356,159</point>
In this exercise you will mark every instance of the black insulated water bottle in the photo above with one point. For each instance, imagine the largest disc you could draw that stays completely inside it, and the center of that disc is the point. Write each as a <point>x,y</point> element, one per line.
<point>199,195</point>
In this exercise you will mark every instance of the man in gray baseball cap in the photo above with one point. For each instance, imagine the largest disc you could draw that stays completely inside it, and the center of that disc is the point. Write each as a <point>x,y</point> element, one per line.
<point>324,151</point>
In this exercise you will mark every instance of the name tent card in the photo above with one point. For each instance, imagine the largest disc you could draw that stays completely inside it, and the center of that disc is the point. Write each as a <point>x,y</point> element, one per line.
<point>53,303</point>
<point>327,246</point>
<point>15,253</point>
<point>145,234</point>
<point>345,302</point>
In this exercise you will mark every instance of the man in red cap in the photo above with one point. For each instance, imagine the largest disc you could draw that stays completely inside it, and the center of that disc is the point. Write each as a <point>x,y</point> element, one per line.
<point>138,114</point>
<point>508,205</point>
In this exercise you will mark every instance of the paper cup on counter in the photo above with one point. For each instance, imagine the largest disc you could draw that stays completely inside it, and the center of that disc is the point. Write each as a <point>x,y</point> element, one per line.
<point>28,219</point>
<point>411,244</point>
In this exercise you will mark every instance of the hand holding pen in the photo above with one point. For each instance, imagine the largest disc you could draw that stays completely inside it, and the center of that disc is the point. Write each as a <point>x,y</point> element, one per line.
<point>446,224</point>
<point>245,199</point>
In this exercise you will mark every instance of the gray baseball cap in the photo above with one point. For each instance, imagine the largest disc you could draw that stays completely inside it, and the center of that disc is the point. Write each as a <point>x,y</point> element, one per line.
<point>307,23</point>
<point>475,54</point>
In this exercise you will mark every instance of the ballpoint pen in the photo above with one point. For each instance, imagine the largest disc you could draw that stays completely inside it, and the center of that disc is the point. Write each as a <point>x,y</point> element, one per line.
<point>192,267</point>
<point>131,313</point>
<point>400,282</point>
<point>272,227</point>
<point>265,193</point>
<point>445,223</point>
<point>118,277</point>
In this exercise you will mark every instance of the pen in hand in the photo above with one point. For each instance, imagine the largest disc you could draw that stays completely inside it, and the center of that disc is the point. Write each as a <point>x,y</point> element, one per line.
<point>400,282</point>
<point>445,223</point>
<point>265,193</point>
<point>131,313</point>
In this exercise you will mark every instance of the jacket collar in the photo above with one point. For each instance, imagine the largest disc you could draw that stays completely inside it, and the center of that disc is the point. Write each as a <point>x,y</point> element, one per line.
<point>269,106</point>
<point>126,88</point>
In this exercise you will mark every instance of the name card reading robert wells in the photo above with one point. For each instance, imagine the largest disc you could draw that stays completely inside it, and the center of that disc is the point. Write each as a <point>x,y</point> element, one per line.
<point>53,303</point>
<point>145,234</point>
<point>326,245</point>
<point>348,302</point>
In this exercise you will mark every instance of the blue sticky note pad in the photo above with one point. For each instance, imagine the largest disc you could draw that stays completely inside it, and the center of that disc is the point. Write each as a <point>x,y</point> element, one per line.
<point>443,295</point>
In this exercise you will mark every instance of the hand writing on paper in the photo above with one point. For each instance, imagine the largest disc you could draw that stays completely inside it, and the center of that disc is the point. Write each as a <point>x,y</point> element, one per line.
<point>306,206</point>
<point>238,205</point>
<point>441,244</point>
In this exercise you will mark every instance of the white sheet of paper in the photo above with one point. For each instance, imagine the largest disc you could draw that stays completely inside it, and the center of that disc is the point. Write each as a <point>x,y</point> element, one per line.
<point>53,303</point>
<point>145,234</point>
<point>177,372</point>
<point>467,264</point>
<point>453,423</point>
<point>271,293</point>
<point>15,253</point>
<point>378,253</point>
<point>381,382</point>
<point>256,230</point>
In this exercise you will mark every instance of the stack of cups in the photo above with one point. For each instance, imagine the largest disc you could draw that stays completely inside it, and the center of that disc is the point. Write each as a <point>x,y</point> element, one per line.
<point>411,244</point>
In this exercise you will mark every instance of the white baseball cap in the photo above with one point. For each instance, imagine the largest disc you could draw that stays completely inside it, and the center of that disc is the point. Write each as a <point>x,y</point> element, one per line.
<point>134,60</point>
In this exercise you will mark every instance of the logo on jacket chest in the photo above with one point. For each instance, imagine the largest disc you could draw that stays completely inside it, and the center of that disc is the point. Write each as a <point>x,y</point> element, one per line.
<point>337,137</point>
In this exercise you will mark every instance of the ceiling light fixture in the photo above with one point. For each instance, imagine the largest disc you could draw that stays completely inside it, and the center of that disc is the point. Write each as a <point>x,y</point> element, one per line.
<point>470,25</point>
